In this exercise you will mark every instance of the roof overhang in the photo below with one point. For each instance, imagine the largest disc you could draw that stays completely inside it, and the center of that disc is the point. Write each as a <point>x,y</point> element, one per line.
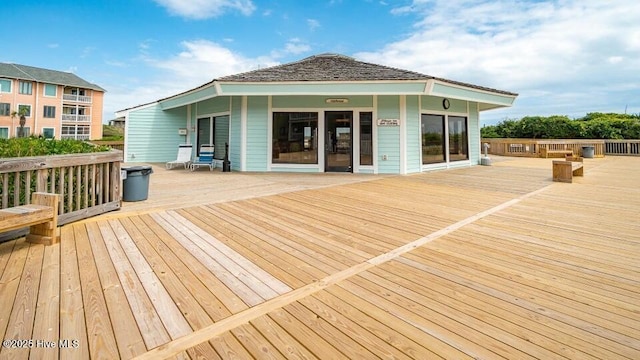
<point>431,87</point>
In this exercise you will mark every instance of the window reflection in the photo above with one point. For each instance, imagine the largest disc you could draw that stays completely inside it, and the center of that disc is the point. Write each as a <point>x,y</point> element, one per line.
<point>295,138</point>
<point>432,129</point>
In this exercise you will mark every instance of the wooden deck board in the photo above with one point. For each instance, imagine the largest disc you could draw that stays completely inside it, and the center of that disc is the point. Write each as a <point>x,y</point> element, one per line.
<point>480,262</point>
<point>126,331</point>
<point>24,306</point>
<point>102,342</point>
<point>72,316</point>
<point>47,317</point>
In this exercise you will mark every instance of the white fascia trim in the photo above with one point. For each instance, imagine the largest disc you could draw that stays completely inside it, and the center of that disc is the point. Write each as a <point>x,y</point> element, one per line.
<point>317,82</point>
<point>141,107</point>
<point>428,87</point>
<point>512,97</point>
<point>202,98</point>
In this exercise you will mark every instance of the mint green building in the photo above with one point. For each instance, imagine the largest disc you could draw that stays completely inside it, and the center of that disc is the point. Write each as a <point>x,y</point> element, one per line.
<point>324,113</point>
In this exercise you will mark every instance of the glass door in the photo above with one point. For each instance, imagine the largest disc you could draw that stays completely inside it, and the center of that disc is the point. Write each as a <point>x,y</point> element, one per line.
<point>338,141</point>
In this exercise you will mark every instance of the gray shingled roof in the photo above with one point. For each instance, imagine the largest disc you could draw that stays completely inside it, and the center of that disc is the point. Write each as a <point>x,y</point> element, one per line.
<point>23,72</point>
<point>335,67</point>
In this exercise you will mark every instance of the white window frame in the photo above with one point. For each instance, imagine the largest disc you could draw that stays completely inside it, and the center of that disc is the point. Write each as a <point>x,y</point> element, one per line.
<point>44,91</point>
<point>44,112</point>
<point>53,129</point>
<point>8,131</point>
<point>2,89</point>
<point>447,163</point>
<point>28,128</point>
<point>30,109</point>
<point>20,82</point>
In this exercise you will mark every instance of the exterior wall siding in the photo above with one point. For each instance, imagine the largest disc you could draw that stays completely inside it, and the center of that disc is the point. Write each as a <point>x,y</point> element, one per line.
<point>257,136</point>
<point>152,134</point>
<point>388,136</point>
<point>316,102</point>
<point>212,106</point>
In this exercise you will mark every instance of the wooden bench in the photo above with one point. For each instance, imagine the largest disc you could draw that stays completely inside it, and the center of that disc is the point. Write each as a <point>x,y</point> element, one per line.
<point>41,216</point>
<point>544,152</point>
<point>564,171</point>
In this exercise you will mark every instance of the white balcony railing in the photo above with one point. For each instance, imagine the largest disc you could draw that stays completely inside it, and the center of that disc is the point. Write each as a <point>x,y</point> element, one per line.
<point>77,98</point>
<point>75,136</point>
<point>76,118</point>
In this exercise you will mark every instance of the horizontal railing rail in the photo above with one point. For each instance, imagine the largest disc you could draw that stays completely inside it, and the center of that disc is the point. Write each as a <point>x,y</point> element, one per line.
<point>535,147</point>
<point>622,147</point>
<point>74,117</point>
<point>88,184</point>
<point>77,98</point>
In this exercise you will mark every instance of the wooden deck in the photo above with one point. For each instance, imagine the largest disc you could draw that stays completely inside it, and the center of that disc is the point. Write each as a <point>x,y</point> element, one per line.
<point>483,262</point>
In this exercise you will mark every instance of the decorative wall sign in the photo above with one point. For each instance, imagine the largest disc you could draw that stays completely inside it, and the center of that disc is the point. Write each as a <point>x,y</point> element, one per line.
<point>446,104</point>
<point>388,122</point>
<point>337,101</point>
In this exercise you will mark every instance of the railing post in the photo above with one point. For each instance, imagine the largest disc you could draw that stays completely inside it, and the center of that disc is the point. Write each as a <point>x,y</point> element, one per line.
<point>41,180</point>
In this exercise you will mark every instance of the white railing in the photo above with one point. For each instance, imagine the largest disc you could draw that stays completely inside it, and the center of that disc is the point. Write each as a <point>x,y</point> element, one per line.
<point>75,137</point>
<point>77,98</point>
<point>78,118</point>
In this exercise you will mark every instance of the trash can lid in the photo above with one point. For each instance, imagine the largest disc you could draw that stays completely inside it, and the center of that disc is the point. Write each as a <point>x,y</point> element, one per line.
<point>136,168</point>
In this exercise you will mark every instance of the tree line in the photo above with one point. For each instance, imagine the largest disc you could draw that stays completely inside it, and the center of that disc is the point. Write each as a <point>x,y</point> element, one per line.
<point>591,126</point>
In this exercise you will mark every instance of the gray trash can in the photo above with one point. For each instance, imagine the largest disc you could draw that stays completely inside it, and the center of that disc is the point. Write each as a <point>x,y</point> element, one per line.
<point>588,152</point>
<point>135,183</point>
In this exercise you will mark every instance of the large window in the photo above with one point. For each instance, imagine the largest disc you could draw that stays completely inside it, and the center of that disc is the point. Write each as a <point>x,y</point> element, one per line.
<point>295,138</point>
<point>4,132</point>
<point>432,129</point>
<point>5,109</point>
<point>458,142</point>
<point>49,111</point>
<point>26,87</point>
<point>23,132</point>
<point>439,133</point>
<point>48,133</point>
<point>50,90</point>
<point>5,86</point>
<point>366,136</point>
<point>24,109</point>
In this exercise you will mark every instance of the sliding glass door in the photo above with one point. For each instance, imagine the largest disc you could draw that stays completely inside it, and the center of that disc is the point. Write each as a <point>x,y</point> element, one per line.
<point>444,139</point>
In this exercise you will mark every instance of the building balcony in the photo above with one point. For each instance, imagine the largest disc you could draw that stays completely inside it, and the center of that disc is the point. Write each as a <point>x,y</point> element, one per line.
<point>77,98</point>
<point>75,137</point>
<point>76,118</point>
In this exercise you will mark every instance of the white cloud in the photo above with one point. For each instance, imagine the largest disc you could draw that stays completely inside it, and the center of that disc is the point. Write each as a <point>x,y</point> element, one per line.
<point>204,9</point>
<point>296,46</point>
<point>565,49</point>
<point>313,24</point>
<point>199,62</point>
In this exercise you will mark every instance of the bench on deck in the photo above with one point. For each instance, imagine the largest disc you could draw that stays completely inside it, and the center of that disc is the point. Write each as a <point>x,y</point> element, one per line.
<point>41,216</point>
<point>564,171</point>
<point>544,152</point>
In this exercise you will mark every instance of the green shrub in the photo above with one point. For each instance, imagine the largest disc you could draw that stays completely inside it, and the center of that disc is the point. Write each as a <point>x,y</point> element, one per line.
<point>37,146</point>
<point>592,126</point>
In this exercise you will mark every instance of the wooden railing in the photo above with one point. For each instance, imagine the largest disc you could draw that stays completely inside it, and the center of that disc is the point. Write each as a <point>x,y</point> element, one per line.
<point>88,184</point>
<point>622,147</point>
<point>533,148</point>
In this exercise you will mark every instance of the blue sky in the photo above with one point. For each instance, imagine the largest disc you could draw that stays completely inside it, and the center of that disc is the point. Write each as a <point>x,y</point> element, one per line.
<point>565,57</point>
